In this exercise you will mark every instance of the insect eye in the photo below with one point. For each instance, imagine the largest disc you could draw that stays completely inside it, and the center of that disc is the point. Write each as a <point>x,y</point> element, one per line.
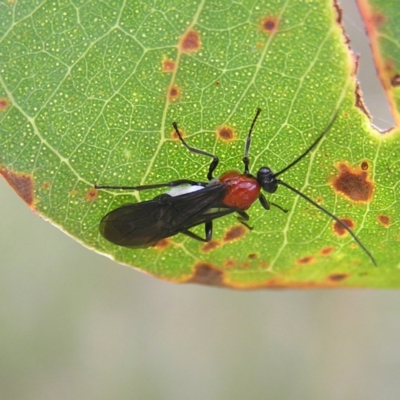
<point>266,178</point>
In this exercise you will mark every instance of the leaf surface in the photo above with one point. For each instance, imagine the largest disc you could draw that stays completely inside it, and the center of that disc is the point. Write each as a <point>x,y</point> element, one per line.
<point>88,95</point>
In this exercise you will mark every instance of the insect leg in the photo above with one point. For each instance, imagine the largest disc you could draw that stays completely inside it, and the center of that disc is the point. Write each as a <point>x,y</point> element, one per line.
<point>267,204</point>
<point>243,218</point>
<point>154,186</point>
<point>264,202</point>
<point>215,160</point>
<point>208,233</point>
<point>208,227</point>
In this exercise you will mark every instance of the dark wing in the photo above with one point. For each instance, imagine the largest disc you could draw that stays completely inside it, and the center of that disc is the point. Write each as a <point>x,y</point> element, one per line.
<point>136,225</point>
<point>144,224</point>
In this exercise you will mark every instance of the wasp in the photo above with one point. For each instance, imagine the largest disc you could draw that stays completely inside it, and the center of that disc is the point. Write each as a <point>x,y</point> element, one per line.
<point>190,203</point>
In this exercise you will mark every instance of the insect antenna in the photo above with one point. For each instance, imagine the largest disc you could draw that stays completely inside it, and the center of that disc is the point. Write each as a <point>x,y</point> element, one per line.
<point>319,207</point>
<point>246,160</point>
<point>325,131</point>
<point>333,216</point>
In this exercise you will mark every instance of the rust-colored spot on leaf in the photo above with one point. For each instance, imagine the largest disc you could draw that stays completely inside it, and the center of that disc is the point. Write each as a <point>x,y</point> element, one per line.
<point>353,183</point>
<point>389,66</point>
<point>384,220</point>
<point>210,246</point>
<point>337,277</point>
<point>229,263</point>
<point>225,133</point>
<point>91,194</point>
<point>168,65</point>
<point>162,244</point>
<point>173,93</point>
<point>174,136</point>
<point>377,19</point>
<point>207,274</point>
<point>252,256</point>
<point>269,24</point>
<point>4,103</point>
<point>339,230</point>
<point>21,183</point>
<point>395,80</point>
<point>305,260</point>
<point>234,233</point>
<point>364,165</point>
<point>217,83</point>
<point>190,42</point>
<point>46,185</point>
<point>327,250</point>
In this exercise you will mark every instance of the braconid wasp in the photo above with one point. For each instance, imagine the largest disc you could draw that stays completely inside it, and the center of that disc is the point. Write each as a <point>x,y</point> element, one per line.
<point>190,203</point>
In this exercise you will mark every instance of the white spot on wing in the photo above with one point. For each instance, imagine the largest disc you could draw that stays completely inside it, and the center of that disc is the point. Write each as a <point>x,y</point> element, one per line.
<point>179,190</point>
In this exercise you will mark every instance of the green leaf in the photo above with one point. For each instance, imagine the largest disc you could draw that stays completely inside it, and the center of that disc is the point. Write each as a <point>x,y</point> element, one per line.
<point>88,95</point>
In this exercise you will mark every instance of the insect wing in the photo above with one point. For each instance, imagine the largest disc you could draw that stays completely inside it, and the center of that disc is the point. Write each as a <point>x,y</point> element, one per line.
<point>143,224</point>
<point>199,207</point>
<point>136,225</point>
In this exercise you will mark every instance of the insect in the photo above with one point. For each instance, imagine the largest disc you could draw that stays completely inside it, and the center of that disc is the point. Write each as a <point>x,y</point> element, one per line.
<point>191,203</point>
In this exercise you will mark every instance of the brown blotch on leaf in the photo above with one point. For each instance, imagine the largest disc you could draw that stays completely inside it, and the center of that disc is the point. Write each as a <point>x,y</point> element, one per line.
<point>229,263</point>
<point>174,135</point>
<point>395,80</point>
<point>384,220</point>
<point>337,277</point>
<point>21,183</point>
<point>269,24</point>
<point>252,256</point>
<point>190,42</point>
<point>364,165</point>
<point>210,246</point>
<point>46,185</point>
<point>4,104</point>
<point>327,250</point>
<point>234,233</point>
<point>389,66</point>
<point>217,83</point>
<point>162,244</point>
<point>225,133</point>
<point>353,183</point>
<point>168,65</point>
<point>339,230</point>
<point>207,274</point>
<point>305,260</point>
<point>91,194</point>
<point>377,19</point>
<point>173,93</point>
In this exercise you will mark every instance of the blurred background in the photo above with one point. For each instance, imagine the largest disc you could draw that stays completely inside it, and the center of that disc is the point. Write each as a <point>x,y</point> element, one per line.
<point>76,325</point>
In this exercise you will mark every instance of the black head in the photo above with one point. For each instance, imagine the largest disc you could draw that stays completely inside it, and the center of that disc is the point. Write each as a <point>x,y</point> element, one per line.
<point>267,180</point>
